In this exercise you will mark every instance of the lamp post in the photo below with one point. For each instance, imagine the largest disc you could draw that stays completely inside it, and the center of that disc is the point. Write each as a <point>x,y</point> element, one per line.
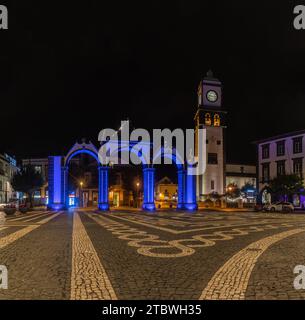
<point>137,184</point>
<point>81,194</point>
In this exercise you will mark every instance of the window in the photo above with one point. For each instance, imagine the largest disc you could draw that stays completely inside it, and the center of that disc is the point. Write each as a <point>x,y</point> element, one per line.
<point>1,186</point>
<point>297,145</point>
<point>298,167</point>
<point>212,158</point>
<point>218,142</point>
<point>212,184</point>
<point>280,148</point>
<point>265,151</point>
<point>242,170</point>
<point>265,172</point>
<point>207,119</point>
<point>281,168</point>
<point>216,120</point>
<point>37,169</point>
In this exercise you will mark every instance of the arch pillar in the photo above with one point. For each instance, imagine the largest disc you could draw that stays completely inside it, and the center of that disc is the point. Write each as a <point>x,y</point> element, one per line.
<point>56,184</point>
<point>190,201</point>
<point>149,189</point>
<point>181,188</point>
<point>103,195</point>
<point>65,170</point>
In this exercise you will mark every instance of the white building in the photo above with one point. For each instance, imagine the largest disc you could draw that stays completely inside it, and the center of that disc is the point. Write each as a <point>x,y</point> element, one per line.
<point>280,155</point>
<point>8,167</point>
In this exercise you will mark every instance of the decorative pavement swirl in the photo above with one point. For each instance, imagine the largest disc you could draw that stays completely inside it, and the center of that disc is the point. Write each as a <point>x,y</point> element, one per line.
<point>166,255</point>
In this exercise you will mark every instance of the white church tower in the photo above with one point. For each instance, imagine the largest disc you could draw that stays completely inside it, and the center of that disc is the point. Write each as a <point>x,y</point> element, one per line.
<point>211,116</point>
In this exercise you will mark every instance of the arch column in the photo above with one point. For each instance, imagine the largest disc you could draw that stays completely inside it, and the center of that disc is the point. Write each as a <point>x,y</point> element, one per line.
<point>66,186</point>
<point>149,189</point>
<point>190,201</point>
<point>181,188</point>
<point>103,183</point>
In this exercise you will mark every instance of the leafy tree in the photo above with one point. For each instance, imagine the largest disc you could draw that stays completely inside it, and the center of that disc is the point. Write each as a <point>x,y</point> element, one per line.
<point>27,180</point>
<point>287,185</point>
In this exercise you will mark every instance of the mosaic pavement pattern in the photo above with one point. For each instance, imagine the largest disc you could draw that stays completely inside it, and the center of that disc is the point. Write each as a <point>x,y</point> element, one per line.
<point>84,255</point>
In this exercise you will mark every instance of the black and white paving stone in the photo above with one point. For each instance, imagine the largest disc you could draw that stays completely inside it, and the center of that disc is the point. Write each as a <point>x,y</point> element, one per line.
<point>165,255</point>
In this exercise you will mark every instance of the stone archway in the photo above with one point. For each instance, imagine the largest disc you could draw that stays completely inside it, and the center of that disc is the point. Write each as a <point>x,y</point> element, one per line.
<point>58,178</point>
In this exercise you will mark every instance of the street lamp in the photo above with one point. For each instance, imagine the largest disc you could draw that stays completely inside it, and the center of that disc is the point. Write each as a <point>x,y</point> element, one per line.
<point>81,193</point>
<point>137,184</point>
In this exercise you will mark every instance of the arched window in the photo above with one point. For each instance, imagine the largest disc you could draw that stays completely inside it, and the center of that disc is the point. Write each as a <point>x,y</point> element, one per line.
<point>216,120</point>
<point>207,119</point>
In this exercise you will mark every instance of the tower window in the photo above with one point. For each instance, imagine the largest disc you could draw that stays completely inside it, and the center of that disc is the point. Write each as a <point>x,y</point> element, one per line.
<point>212,158</point>
<point>218,142</point>
<point>212,184</point>
<point>207,119</point>
<point>216,120</point>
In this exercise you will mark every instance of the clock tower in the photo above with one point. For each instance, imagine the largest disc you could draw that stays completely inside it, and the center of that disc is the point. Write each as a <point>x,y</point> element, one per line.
<point>211,116</point>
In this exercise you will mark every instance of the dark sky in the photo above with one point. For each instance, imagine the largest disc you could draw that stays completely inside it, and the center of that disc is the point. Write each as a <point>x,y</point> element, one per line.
<point>69,70</point>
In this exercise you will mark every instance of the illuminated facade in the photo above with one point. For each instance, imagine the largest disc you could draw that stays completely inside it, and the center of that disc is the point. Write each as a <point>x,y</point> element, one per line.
<point>8,168</point>
<point>211,116</point>
<point>58,179</point>
<point>281,155</point>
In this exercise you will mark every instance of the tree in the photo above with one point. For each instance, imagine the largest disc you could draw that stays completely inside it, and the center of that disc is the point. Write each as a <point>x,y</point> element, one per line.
<point>287,185</point>
<point>27,180</point>
<point>233,191</point>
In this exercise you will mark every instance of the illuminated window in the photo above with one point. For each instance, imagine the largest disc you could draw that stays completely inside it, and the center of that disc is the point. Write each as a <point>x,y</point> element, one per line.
<point>208,120</point>
<point>216,120</point>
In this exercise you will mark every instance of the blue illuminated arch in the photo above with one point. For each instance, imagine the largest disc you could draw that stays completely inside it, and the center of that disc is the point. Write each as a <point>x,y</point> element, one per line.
<point>58,177</point>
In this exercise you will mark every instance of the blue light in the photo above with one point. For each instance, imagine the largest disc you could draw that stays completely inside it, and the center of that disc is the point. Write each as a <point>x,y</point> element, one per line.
<point>57,180</point>
<point>103,206</point>
<point>57,206</point>
<point>191,206</point>
<point>149,207</point>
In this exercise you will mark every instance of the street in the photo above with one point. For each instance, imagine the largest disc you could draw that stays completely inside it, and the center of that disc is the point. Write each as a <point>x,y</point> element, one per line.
<point>84,254</point>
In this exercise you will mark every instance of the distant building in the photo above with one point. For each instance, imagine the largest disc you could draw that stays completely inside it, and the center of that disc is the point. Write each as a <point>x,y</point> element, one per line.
<point>8,167</point>
<point>280,155</point>
<point>166,190</point>
<point>244,177</point>
<point>241,175</point>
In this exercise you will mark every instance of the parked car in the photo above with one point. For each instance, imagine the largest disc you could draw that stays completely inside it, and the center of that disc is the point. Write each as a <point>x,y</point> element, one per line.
<point>280,207</point>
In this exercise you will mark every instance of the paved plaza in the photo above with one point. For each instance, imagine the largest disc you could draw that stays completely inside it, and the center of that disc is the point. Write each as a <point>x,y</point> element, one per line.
<point>84,254</point>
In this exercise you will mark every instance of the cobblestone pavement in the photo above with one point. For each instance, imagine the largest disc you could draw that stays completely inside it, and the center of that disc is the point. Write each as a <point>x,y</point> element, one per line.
<point>166,255</point>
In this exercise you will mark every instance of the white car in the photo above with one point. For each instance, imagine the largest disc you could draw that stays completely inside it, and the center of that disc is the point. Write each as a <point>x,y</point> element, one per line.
<point>280,207</point>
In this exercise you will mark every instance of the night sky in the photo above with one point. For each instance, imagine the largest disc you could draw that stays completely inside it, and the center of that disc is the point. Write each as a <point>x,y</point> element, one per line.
<point>70,70</point>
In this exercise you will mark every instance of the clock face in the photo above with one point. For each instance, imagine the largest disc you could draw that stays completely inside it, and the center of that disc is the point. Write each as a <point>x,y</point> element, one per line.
<point>212,96</point>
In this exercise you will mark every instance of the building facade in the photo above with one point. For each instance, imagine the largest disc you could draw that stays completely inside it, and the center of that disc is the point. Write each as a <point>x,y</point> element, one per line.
<point>280,155</point>
<point>211,116</point>
<point>241,175</point>
<point>8,167</point>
